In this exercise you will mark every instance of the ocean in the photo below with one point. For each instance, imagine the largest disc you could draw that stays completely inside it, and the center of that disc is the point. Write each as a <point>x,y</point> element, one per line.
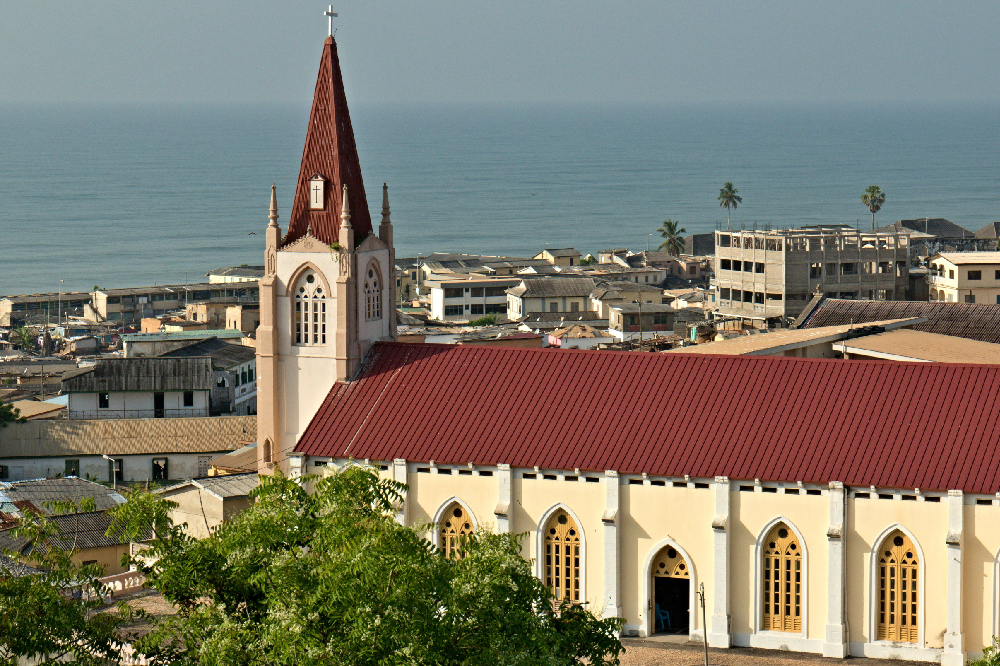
<point>129,196</point>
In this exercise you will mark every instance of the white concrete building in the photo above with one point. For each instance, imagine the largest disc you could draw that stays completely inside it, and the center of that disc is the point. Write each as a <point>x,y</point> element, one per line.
<point>467,297</point>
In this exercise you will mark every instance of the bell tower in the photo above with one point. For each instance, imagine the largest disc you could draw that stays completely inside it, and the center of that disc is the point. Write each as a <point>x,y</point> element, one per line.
<point>328,290</point>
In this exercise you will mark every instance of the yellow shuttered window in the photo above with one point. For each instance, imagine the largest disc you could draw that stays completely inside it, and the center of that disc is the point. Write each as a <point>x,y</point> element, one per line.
<point>562,557</point>
<point>456,524</point>
<point>782,577</point>
<point>897,589</point>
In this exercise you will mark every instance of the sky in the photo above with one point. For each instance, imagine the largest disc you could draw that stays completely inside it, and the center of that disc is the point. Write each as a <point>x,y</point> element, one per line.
<point>516,51</point>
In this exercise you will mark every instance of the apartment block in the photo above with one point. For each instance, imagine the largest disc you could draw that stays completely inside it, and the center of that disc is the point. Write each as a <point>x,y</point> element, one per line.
<point>771,275</point>
<point>964,277</point>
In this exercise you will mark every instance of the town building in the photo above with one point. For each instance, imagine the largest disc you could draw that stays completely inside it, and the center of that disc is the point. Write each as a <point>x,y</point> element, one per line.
<point>769,276</point>
<point>579,336</point>
<point>629,321</point>
<point>234,375</point>
<point>465,297</point>
<point>54,307</point>
<point>563,294</point>
<point>964,277</point>
<point>204,504</point>
<point>140,388</point>
<point>242,273</point>
<point>138,345</point>
<point>83,533</point>
<point>615,292</point>
<point>973,321</point>
<point>656,474</point>
<point>565,256</point>
<point>131,305</point>
<point>905,344</point>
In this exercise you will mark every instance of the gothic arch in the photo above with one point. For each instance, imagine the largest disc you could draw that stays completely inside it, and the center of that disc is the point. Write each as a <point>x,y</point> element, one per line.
<point>540,545</point>
<point>439,516</point>
<point>758,613</point>
<point>312,306</point>
<point>647,590</point>
<point>373,287</point>
<point>873,583</point>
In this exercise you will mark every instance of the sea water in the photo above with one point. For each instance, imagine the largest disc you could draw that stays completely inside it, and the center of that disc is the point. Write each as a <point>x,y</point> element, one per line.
<point>122,196</point>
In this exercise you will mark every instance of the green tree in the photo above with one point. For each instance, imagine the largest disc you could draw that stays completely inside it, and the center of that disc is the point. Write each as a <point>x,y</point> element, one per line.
<point>24,338</point>
<point>729,199</point>
<point>873,197</point>
<point>673,242</point>
<point>10,414</point>
<point>485,320</point>
<point>329,577</point>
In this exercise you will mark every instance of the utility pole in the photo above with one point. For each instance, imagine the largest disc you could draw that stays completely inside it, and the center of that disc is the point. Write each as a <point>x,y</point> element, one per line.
<point>639,301</point>
<point>59,312</point>
<point>704,623</point>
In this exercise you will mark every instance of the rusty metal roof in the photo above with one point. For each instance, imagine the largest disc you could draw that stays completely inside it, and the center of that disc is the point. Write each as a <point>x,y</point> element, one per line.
<point>882,423</point>
<point>330,151</point>
<point>975,321</point>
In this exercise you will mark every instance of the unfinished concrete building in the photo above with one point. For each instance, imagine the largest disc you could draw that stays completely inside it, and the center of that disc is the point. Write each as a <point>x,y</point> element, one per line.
<point>769,276</point>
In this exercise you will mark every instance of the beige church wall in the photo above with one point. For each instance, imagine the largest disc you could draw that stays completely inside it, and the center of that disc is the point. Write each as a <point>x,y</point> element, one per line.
<point>428,493</point>
<point>649,515</point>
<point>980,590</point>
<point>376,328</point>
<point>531,499</point>
<point>866,521</point>
<point>753,514</point>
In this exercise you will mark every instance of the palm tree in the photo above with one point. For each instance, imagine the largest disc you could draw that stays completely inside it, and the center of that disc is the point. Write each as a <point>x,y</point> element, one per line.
<point>23,338</point>
<point>873,197</point>
<point>673,242</point>
<point>729,199</point>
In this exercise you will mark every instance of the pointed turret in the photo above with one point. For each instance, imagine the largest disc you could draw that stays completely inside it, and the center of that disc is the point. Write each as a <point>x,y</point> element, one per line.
<point>385,228</point>
<point>346,234</point>
<point>329,162</point>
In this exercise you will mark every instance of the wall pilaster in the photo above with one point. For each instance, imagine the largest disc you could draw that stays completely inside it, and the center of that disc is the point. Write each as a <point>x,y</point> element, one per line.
<point>719,634</point>
<point>612,545</point>
<point>954,638</point>
<point>504,487</point>
<point>399,475</point>
<point>835,642</point>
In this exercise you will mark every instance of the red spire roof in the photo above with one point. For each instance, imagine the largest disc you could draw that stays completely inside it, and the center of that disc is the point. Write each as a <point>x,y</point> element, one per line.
<point>329,151</point>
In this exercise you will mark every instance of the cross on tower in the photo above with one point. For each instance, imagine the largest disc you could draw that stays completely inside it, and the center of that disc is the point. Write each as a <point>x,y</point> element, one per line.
<point>330,14</point>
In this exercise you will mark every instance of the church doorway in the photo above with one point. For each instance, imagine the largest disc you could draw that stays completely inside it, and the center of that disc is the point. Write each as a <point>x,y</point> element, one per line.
<point>671,592</point>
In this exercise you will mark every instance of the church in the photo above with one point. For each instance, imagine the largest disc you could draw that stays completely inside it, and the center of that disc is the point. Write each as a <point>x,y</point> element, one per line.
<point>825,506</point>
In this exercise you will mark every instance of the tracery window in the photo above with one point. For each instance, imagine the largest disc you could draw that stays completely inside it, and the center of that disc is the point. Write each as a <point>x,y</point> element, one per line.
<point>670,564</point>
<point>562,557</point>
<point>456,524</point>
<point>782,580</point>
<point>897,589</point>
<point>373,293</point>
<point>310,310</point>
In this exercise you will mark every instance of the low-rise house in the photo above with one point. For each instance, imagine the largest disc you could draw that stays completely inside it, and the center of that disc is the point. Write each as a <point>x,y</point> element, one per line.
<point>563,294</point>
<point>649,275</point>
<point>139,449</point>
<point>565,256</point>
<point>905,344</point>
<point>131,305</point>
<point>466,297</point>
<point>209,314</point>
<point>550,321</point>
<point>688,298</point>
<point>34,410</point>
<point>85,534</point>
<point>131,388</point>
<point>641,321</point>
<point>579,336</point>
<point>241,273</point>
<point>613,292</point>
<point>234,374</point>
<point>204,504</point>
<point>241,461</point>
<point>42,495</point>
<point>964,277</point>
<point>500,338</point>
<point>243,318</point>
<point>139,345</point>
<point>54,306</point>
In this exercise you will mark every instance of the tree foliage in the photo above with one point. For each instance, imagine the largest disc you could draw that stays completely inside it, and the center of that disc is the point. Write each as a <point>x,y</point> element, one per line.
<point>729,199</point>
<point>330,577</point>
<point>485,320</point>
<point>24,338</point>
<point>673,241</point>
<point>10,414</point>
<point>873,198</point>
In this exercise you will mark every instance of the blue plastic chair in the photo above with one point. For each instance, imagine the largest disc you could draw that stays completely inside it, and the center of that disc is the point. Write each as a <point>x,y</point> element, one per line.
<point>661,616</point>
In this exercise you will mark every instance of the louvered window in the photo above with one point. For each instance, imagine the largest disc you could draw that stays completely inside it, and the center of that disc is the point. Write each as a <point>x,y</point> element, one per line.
<point>782,580</point>
<point>897,593</point>
<point>310,311</point>
<point>562,557</point>
<point>455,526</point>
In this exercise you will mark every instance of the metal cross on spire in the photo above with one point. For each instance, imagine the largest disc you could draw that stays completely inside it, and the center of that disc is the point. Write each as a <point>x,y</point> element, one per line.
<point>330,15</point>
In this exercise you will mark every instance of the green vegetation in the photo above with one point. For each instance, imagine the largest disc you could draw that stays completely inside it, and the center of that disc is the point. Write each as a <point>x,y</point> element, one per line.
<point>485,320</point>
<point>321,577</point>
<point>991,656</point>
<point>24,338</point>
<point>729,199</point>
<point>673,242</point>
<point>588,260</point>
<point>10,414</point>
<point>873,197</point>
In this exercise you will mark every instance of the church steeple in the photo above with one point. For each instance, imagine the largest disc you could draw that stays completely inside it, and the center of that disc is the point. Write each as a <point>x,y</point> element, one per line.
<point>329,162</point>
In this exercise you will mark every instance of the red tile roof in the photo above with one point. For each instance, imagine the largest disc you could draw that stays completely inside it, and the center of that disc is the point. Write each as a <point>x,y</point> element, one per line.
<point>329,150</point>
<point>975,321</point>
<point>900,425</point>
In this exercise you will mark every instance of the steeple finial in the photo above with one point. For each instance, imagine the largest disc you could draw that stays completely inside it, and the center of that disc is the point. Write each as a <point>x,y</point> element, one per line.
<point>345,212</point>
<point>273,217</point>
<point>385,204</point>
<point>330,15</point>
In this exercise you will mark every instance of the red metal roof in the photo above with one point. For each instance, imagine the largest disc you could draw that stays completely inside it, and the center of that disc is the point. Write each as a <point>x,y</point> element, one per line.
<point>330,151</point>
<point>896,425</point>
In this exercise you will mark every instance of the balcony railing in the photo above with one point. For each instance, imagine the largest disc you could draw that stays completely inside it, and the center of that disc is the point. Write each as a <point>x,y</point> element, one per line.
<point>189,412</point>
<point>939,279</point>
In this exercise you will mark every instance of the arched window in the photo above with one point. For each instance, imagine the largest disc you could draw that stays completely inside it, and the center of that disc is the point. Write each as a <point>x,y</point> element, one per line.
<point>373,293</point>
<point>456,524</point>
<point>897,589</point>
<point>310,310</point>
<point>562,557</point>
<point>782,580</point>
<point>670,564</point>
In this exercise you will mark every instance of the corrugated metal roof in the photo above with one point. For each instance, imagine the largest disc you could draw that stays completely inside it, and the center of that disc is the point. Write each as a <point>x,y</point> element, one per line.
<point>909,345</point>
<point>224,333</point>
<point>553,287</point>
<point>39,492</point>
<point>976,321</point>
<point>330,151</point>
<point>776,419</point>
<point>223,354</point>
<point>144,374</point>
